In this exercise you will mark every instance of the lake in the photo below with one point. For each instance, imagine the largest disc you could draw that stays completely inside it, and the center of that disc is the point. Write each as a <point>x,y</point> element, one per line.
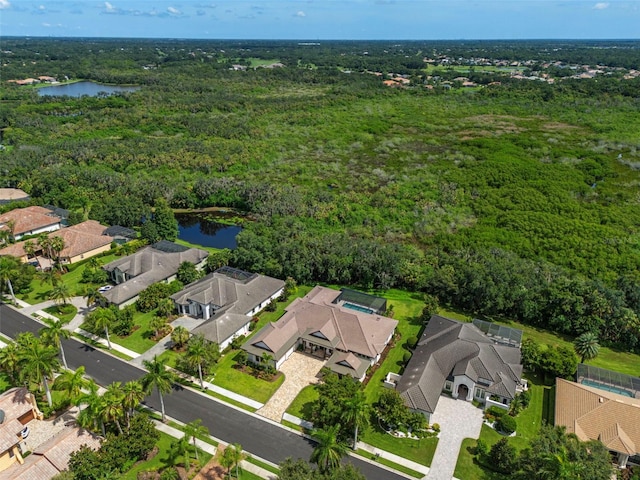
<point>80,89</point>
<point>202,229</point>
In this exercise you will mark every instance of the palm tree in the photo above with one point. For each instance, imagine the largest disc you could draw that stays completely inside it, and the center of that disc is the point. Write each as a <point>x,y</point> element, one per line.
<point>8,269</point>
<point>329,449</point>
<point>198,354</point>
<point>93,296</point>
<point>231,457</point>
<point>157,376</point>
<point>587,346</point>
<point>50,276</point>
<point>356,413</point>
<point>92,399</point>
<point>103,318</point>
<point>156,324</point>
<point>38,364</point>
<point>30,249</point>
<point>60,293</point>
<point>165,307</point>
<point>133,395</point>
<point>180,336</point>
<point>72,383</point>
<point>57,246</point>
<point>45,244</point>
<point>54,333</point>
<point>10,360</point>
<point>93,263</point>
<point>180,448</point>
<point>112,406</point>
<point>194,429</point>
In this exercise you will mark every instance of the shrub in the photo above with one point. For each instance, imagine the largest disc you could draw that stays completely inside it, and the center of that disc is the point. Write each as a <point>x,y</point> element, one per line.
<point>496,412</point>
<point>271,306</point>
<point>506,424</point>
<point>406,357</point>
<point>502,456</point>
<point>412,342</point>
<point>237,342</point>
<point>481,448</point>
<point>435,427</point>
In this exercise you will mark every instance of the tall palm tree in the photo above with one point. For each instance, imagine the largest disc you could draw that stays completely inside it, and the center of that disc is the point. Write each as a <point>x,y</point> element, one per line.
<point>156,324</point>
<point>57,246</point>
<point>231,457</point>
<point>38,364</point>
<point>45,244</point>
<point>88,416</point>
<point>198,354</point>
<point>194,429</point>
<point>72,383</point>
<point>112,406</point>
<point>60,293</point>
<point>180,447</point>
<point>133,395</point>
<point>587,346</point>
<point>165,308</point>
<point>104,318</point>
<point>10,360</point>
<point>356,413</point>
<point>157,376</point>
<point>50,276</point>
<point>329,449</point>
<point>8,269</point>
<point>54,333</point>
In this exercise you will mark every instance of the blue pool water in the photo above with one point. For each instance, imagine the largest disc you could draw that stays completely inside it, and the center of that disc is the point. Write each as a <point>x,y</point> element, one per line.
<point>357,308</point>
<point>606,388</point>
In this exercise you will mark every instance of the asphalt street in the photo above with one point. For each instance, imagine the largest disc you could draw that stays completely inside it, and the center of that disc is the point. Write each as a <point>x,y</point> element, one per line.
<point>257,436</point>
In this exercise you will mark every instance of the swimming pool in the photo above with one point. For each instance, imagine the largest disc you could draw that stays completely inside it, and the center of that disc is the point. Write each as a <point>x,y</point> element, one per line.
<point>606,388</point>
<point>357,308</point>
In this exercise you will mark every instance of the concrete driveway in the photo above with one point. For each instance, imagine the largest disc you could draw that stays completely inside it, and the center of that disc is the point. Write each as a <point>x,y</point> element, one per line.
<point>458,420</point>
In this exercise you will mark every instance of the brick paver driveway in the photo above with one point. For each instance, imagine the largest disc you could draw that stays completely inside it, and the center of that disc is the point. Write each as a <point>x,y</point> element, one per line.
<point>299,370</point>
<point>458,420</point>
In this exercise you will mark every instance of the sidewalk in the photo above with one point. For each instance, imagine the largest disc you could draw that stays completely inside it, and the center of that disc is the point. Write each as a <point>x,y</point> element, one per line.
<point>393,458</point>
<point>207,447</point>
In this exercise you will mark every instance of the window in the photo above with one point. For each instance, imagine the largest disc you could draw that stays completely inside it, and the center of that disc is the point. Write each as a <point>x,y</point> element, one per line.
<point>448,386</point>
<point>479,393</point>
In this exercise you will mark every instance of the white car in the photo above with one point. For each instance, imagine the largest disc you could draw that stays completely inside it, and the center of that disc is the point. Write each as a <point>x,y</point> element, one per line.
<point>25,432</point>
<point>106,288</point>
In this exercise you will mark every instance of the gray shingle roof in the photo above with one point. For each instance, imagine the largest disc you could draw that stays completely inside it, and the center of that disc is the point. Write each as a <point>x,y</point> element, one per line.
<point>448,347</point>
<point>148,266</point>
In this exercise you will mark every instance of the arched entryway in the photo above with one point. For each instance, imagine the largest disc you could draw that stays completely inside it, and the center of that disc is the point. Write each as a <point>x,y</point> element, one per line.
<point>463,392</point>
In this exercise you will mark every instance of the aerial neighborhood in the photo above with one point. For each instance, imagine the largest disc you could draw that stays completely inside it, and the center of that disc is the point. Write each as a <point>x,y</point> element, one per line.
<point>319,260</point>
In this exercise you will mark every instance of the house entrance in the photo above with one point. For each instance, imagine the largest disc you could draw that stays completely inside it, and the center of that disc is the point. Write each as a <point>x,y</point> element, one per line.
<point>463,392</point>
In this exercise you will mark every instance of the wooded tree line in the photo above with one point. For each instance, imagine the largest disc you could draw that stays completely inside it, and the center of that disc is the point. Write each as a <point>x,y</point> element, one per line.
<point>517,200</point>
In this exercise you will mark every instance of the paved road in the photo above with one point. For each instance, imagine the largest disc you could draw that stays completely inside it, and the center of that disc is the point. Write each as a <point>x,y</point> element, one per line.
<point>228,424</point>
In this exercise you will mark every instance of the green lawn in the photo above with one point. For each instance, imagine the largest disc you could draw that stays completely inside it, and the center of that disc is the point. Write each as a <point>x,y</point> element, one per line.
<point>419,451</point>
<point>140,339</point>
<point>306,396</point>
<point>63,312</point>
<point>227,377</point>
<point>161,460</point>
<point>607,358</point>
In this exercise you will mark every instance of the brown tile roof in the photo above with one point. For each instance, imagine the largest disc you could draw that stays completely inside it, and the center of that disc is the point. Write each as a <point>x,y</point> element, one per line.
<point>16,402</point>
<point>33,469</point>
<point>82,238</point>
<point>594,414</point>
<point>9,432</point>
<point>59,448</point>
<point>316,316</point>
<point>28,219</point>
<point>12,194</point>
<point>15,250</point>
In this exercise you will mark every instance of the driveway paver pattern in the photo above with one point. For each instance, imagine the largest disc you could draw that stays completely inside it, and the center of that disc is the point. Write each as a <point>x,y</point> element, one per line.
<point>299,370</point>
<point>458,420</point>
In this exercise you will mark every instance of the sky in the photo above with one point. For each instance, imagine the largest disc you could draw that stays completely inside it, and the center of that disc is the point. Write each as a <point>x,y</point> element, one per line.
<point>324,19</point>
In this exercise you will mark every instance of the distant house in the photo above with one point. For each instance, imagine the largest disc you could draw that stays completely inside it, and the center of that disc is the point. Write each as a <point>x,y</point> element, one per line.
<point>228,299</point>
<point>343,327</point>
<point>594,414</point>
<point>120,234</point>
<point>156,263</point>
<point>83,240</point>
<point>8,195</point>
<point>18,407</point>
<point>458,358</point>
<point>33,220</point>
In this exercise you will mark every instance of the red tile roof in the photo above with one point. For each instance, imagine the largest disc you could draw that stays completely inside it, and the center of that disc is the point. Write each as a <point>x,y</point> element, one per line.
<point>28,219</point>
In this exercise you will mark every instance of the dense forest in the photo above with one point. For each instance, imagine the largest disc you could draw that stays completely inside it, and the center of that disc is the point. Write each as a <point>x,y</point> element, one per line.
<point>515,198</point>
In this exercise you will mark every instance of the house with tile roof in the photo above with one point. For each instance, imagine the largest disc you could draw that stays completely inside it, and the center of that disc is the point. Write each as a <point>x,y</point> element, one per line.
<point>350,337</point>
<point>227,299</point>
<point>83,240</point>
<point>595,414</point>
<point>8,195</point>
<point>152,264</point>
<point>52,457</point>
<point>18,408</point>
<point>22,222</point>
<point>458,358</point>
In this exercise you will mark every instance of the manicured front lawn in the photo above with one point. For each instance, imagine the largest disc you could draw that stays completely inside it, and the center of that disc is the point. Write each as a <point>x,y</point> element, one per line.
<point>63,312</point>
<point>227,377</point>
<point>140,339</point>
<point>419,451</point>
<point>306,396</point>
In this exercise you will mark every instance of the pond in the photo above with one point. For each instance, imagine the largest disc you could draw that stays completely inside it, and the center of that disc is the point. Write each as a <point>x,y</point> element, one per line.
<point>203,229</point>
<point>80,89</point>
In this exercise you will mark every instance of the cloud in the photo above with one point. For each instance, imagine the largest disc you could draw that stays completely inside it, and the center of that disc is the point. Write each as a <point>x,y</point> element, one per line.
<point>601,5</point>
<point>109,8</point>
<point>300,14</point>
<point>174,11</point>
<point>4,4</point>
